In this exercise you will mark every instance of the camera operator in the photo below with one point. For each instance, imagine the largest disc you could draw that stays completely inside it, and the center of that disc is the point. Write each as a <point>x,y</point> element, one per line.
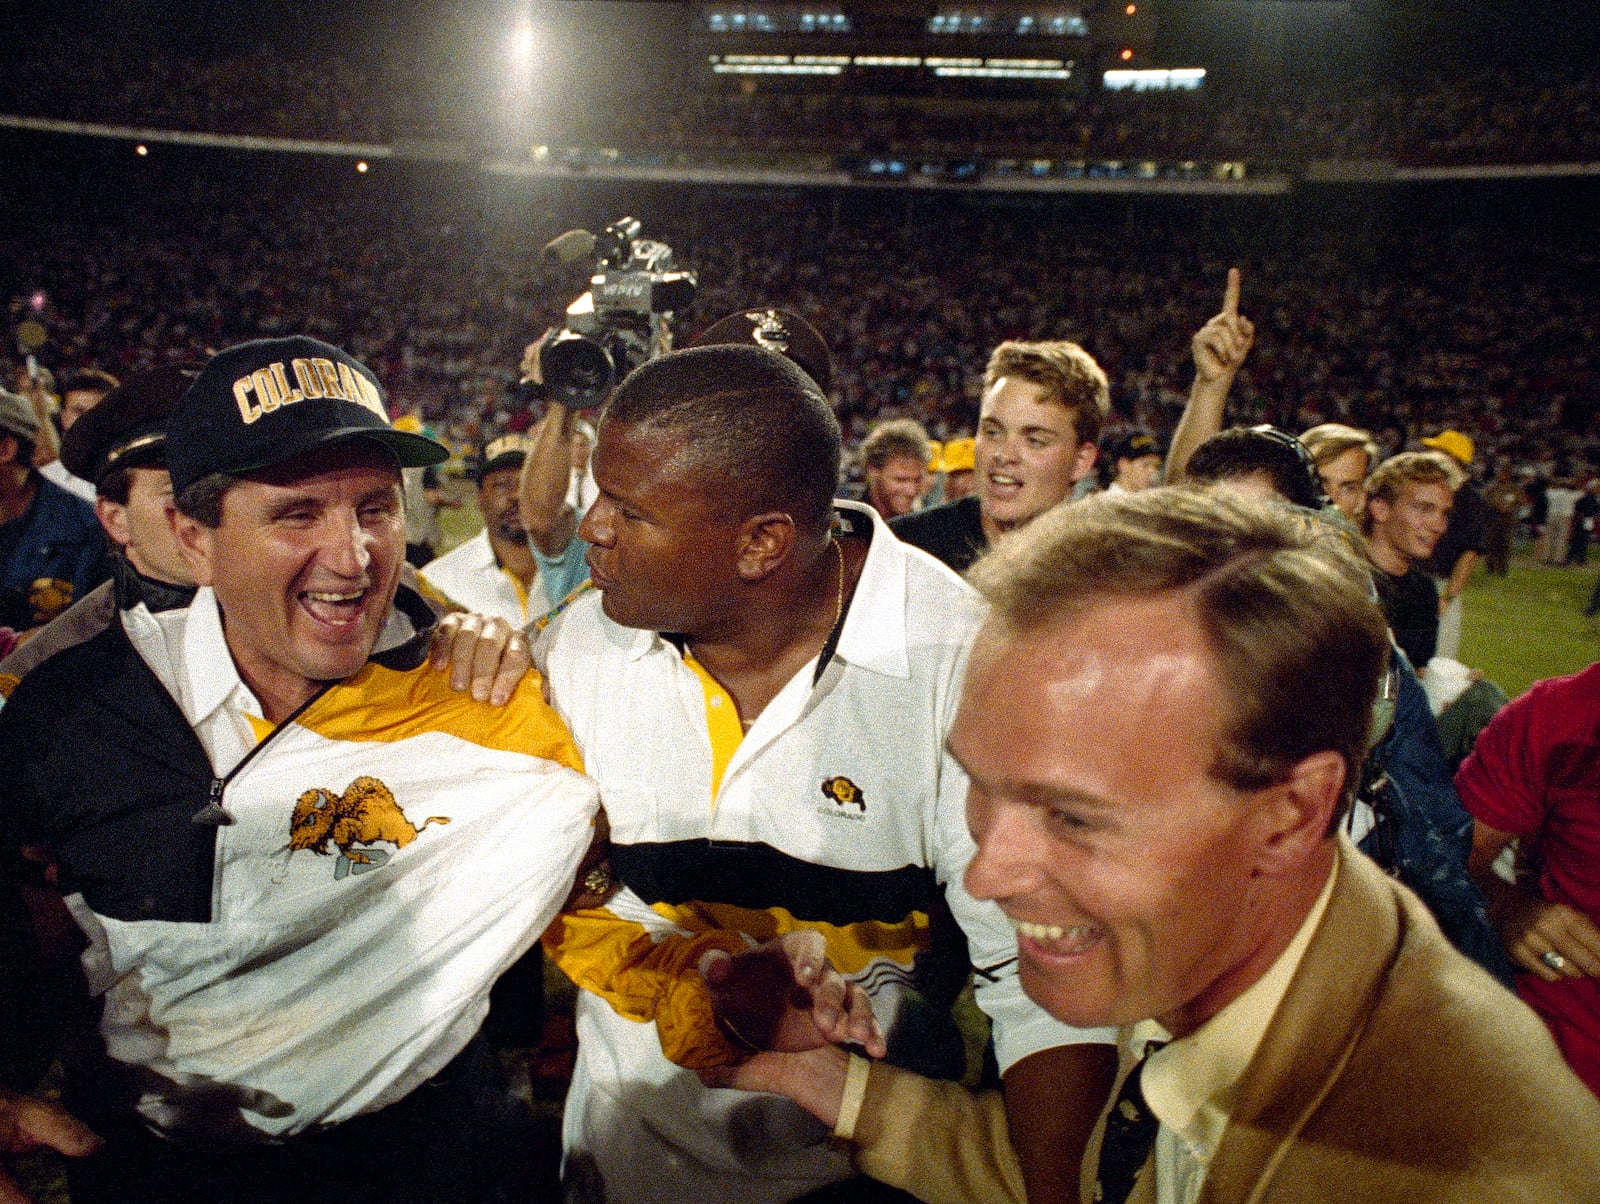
<point>545,487</point>
<point>621,321</point>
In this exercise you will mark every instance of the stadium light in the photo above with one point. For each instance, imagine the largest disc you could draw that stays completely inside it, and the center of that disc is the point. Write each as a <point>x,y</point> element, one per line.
<point>511,77</point>
<point>520,43</point>
<point>1126,54</point>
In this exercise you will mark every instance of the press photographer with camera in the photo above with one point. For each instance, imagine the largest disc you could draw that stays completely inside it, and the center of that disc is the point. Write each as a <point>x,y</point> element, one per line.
<point>620,322</point>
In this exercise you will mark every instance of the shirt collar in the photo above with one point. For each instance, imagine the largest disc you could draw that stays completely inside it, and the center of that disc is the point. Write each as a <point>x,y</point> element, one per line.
<point>483,555</point>
<point>212,677</point>
<point>874,635</point>
<point>1191,1084</point>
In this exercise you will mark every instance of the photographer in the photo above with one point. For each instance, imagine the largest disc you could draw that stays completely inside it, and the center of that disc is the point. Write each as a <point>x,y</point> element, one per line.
<point>620,322</point>
<point>545,487</point>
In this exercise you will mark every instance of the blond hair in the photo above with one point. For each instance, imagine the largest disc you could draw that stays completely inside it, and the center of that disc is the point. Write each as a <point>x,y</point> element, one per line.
<point>1390,479</point>
<point>1330,440</point>
<point>1069,373</point>
<point>1286,607</point>
<point>896,437</point>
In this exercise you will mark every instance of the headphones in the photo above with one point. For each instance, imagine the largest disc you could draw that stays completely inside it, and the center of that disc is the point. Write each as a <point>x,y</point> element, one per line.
<point>1265,430</point>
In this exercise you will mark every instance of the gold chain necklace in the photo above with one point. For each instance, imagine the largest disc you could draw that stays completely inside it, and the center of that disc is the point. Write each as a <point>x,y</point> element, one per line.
<point>838,606</point>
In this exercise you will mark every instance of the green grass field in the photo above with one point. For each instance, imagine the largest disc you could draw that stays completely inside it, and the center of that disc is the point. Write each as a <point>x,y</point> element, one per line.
<point>1530,625</point>
<point>459,525</point>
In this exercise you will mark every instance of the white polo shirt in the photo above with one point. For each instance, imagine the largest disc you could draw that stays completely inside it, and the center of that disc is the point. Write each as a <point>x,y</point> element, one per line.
<point>470,576</point>
<point>841,798</point>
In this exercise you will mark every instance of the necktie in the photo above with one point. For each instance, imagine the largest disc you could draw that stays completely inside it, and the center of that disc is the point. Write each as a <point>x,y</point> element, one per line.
<point>1130,1135</point>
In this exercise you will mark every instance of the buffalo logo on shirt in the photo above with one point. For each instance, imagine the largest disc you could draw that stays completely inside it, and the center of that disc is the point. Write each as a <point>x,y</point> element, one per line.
<point>844,793</point>
<point>365,814</point>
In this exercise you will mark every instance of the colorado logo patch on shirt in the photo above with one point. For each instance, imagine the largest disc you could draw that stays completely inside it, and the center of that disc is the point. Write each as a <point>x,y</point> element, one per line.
<point>843,794</point>
<point>366,814</point>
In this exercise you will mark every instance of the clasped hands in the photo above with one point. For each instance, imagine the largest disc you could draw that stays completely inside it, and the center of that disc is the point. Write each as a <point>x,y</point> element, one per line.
<point>786,1005</point>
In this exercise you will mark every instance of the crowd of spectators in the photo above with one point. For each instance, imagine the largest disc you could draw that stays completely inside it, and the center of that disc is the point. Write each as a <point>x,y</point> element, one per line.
<point>1495,117</point>
<point>1401,331</point>
<point>1489,118</point>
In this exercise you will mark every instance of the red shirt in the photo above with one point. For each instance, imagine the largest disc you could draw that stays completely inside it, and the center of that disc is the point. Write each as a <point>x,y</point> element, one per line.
<point>1535,772</point>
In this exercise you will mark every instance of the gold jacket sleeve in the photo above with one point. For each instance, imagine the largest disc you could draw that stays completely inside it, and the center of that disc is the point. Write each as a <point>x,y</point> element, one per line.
<point>645,978</point>
<point>940,1141</point>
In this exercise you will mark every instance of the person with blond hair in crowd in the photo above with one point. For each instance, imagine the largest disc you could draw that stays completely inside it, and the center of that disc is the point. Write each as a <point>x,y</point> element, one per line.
<point>1038,427</point>
<point>1344,455</point>
<point>1409,498</point>
<point>1464,542</point>
<point>894,465</point>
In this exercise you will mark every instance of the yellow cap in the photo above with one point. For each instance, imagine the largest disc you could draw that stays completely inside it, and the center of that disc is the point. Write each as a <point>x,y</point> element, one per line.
<point>1452,443</point>
<point>958,455</point>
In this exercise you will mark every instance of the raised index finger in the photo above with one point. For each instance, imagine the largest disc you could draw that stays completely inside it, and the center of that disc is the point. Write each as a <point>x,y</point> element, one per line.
<point>1230,295</point>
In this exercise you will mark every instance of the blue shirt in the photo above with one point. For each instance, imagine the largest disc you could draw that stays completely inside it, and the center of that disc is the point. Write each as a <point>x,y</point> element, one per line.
<point>563,572</point>
<point>50,556</point>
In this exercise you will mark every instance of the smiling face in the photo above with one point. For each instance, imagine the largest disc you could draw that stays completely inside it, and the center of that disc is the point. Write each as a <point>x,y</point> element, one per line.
<point>1028,454</point>
<point>304,565</point>
<point>1408,528</point>
<point>893,486</point>
<point>664,554</point>
<point>1133,881</point>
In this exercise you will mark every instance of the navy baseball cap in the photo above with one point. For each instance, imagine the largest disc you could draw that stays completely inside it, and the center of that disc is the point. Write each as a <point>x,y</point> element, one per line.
<point>273,400</point>
<point>1133,445</point>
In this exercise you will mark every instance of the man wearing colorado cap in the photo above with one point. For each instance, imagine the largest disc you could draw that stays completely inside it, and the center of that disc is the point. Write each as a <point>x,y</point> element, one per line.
<point>295,896</point>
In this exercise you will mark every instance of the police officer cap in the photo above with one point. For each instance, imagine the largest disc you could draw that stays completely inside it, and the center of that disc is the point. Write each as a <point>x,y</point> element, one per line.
<point>128,427</point>
<point>780,330</point>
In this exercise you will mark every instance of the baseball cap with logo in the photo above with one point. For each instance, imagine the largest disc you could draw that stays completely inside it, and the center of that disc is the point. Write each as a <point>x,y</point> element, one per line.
<point>17,416</point>
<point>1133,445</point>
<point>508,451</point>
<point>273,400</point>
